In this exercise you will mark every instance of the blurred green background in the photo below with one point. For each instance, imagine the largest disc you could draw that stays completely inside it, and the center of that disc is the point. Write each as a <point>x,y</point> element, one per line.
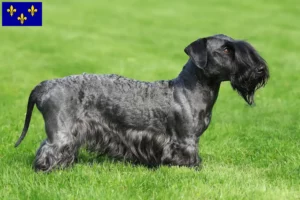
<point>248,153</point>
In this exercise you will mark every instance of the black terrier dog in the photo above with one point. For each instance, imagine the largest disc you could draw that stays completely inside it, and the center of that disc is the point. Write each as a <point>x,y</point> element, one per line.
<point>157,123</point>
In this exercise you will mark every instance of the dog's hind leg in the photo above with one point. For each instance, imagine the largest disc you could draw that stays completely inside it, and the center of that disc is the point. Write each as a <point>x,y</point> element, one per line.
<point>60,149</point>
<point>59,154</point>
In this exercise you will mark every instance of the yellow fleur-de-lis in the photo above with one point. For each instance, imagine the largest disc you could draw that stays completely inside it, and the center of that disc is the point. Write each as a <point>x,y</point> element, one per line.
<point>22,18</point>
<point>11,10</point>
<point>32,10</point>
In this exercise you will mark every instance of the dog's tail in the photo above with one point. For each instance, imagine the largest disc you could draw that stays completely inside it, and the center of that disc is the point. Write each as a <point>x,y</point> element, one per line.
<point>30,105</point>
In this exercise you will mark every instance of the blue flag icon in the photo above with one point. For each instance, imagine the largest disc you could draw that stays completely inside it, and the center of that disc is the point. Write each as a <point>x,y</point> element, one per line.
<point>22,14</point>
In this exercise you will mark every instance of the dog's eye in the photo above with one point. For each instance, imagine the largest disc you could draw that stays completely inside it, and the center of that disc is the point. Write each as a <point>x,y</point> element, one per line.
<point>226,50</point>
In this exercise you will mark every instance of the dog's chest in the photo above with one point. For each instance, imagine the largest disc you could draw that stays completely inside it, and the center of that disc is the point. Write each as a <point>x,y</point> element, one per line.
<point>202,123</point>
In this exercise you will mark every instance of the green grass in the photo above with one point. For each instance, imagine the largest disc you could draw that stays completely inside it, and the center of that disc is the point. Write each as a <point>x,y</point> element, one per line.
<point>248,153</point>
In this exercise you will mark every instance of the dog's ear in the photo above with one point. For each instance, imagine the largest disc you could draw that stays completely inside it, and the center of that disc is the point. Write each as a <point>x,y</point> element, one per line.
<point>198,52</point>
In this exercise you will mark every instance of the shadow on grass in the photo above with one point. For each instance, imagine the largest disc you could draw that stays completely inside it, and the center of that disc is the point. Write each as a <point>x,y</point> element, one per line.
<point>87,158</point>
<point>90,158</point>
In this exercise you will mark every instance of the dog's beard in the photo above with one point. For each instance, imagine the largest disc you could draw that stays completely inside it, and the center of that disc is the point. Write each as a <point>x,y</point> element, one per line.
<point>246,86</point>
<point>248,95</point>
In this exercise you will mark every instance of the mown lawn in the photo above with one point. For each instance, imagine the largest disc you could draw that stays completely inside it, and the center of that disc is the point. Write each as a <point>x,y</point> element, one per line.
<point>247,152</point>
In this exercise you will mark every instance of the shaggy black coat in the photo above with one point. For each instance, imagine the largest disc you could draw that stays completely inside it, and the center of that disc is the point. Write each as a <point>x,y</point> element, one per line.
<point>151,123</point>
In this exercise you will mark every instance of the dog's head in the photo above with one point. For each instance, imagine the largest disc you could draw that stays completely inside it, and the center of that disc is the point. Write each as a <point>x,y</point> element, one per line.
<point>224,59</point>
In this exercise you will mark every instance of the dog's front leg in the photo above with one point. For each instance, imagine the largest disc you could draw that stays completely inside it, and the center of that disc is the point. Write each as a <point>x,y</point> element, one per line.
<point>180,153</point>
